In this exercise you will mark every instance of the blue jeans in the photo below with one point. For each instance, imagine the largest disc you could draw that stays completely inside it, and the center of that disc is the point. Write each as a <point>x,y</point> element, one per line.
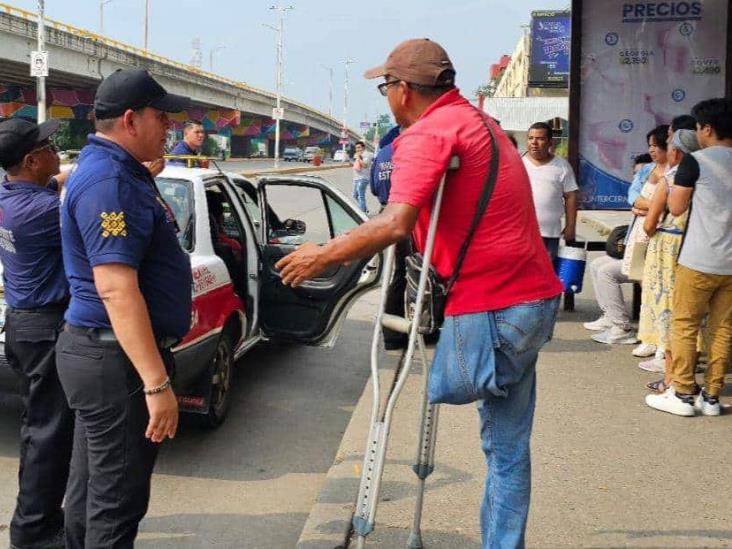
<point>359,192</point>
<point>491,357</point>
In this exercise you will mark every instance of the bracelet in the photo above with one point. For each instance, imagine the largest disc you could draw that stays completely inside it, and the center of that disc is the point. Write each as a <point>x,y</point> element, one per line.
<point>159,389</point>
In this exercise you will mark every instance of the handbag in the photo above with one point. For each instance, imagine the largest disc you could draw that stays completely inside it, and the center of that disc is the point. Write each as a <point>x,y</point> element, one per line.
<point>638,261</point>
<point>437,290</point>
<point>615,245</point>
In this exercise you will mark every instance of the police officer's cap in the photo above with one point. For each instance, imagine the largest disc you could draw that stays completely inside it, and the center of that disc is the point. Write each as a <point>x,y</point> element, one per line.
<point>19,136</point>
<point>133,89</point>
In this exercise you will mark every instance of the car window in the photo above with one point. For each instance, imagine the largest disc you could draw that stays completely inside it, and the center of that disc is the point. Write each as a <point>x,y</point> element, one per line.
<point>178,195</point>
<point>222,213</point>
<point>297,214</point>
<point>341,220</point>
<point>248,195</point>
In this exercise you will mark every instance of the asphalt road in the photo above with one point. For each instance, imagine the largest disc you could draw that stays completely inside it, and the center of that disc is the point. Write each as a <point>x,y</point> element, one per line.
<point>252,482</point>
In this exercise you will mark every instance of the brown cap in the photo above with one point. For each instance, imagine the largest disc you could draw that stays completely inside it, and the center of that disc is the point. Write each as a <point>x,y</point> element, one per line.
<point>419,61</point>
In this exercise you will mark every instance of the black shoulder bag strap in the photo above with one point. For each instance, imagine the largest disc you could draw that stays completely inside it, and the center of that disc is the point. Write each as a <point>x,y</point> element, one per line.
<point>485,197</point>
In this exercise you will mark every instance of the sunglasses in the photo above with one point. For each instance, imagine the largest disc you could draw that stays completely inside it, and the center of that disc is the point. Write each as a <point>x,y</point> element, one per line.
<point>383,87</point>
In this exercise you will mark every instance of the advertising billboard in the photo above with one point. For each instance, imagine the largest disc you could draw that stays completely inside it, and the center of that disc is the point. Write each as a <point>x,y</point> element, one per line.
<point>641,64</point>
<point>550,44</point>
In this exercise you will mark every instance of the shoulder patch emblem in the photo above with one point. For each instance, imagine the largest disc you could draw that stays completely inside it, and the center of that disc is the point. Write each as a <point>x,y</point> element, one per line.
<point>113,224</point>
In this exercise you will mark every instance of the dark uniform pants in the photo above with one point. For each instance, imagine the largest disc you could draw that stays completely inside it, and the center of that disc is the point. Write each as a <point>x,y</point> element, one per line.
<point>112,462</point>
<point>394,304</point>
<point>46,428</point>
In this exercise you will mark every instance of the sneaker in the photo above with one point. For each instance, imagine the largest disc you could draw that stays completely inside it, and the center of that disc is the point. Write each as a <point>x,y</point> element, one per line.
<point>680,405</point>
<point>616,335</point>
<point>57,541</point>
<point>599,325</point>
<point>644,349</point>
<point>707,405</point>
<point>654,365</point>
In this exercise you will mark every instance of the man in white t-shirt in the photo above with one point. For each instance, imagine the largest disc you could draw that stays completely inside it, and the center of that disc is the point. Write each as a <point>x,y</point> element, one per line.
<point>361,173</point>
<point>553,186</point>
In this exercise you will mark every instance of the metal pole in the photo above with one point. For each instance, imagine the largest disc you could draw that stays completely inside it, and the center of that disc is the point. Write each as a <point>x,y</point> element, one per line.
<point>330,89</point>
<point>280,62</point>
<point>211,54</point>
<point>102,3</point>
<point>41,82</point>
<point>345,106</point>
<point>147,17</point>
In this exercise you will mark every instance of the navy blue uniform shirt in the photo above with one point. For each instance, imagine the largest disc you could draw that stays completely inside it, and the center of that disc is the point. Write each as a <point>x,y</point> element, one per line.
<point>111,213</point>
<point>181,148</point>
<point>30,246</point>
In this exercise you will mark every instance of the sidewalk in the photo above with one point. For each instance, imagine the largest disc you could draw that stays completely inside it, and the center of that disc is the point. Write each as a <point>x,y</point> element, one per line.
<point>607,470</point>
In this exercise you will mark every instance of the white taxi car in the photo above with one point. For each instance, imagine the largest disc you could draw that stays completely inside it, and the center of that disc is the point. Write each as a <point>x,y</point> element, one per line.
<point>235,229</point>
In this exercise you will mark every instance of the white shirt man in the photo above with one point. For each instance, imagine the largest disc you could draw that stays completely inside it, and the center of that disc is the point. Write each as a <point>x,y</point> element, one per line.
<point>553,186</point>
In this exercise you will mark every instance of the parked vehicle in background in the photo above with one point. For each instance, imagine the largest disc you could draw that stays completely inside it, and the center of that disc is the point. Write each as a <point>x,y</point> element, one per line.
<point>311,152</point>
<point>340,156</point>
<point>293,154</point>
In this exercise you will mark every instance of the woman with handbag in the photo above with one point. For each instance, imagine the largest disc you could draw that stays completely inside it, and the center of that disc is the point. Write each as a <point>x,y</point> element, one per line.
<point>639,196</point>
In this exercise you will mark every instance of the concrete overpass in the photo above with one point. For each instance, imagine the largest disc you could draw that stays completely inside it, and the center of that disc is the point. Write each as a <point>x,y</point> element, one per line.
<point>79,59</point>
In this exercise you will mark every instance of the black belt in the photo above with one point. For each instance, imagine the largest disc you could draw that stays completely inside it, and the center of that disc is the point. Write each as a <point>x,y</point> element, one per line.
<point>59,307</point>
<point>107,335</point>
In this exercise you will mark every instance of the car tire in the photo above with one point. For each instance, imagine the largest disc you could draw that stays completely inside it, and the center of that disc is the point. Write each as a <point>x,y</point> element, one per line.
<point>221,371</point>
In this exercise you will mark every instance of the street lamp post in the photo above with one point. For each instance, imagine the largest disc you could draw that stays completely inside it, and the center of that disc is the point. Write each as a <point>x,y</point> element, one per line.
<point>41,80</point>
<point>211,56</point>
<point>344,132</point>
<point>330,89</point>
<point>280,75</point>
<point>147,21</point>
<point>102,3</point>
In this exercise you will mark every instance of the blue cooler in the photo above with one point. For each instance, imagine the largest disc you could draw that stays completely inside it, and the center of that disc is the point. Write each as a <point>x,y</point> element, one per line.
<point>570,267</point>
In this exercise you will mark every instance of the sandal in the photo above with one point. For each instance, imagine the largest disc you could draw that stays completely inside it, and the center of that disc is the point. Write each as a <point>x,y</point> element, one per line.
<point>658,386</point>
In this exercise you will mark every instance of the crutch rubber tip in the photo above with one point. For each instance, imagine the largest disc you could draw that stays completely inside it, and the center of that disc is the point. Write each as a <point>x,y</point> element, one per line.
<point>422,470</point>
<point>415,541</point>
<point>362,527</point>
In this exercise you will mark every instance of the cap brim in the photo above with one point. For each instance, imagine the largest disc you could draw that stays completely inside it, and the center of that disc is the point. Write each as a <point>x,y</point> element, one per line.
<point>376,72</point>
<point>47,129</point>
<point>171,103</point>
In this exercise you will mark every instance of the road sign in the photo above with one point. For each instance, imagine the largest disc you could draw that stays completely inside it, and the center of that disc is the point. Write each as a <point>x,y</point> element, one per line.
<point>39,63</point>
<point>343,141</point>
<point>365,125</point>
<point>278,114</point>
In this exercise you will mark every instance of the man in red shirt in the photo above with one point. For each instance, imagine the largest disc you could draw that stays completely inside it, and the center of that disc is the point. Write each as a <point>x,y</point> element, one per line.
<point>503,305</point>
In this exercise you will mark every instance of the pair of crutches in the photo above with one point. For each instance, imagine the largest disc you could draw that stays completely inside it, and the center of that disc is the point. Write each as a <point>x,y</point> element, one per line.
<point>381,416</point>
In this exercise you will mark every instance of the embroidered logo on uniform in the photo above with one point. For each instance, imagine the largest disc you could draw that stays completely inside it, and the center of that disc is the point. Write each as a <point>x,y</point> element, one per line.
<point>113,224</point>
<point>7,240</point>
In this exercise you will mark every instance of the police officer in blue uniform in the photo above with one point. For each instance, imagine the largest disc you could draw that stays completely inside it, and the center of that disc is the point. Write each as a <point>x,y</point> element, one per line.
<point>37,293</point>
<point>191,145</point>
<point>130,285</point>
<point>380,186</point>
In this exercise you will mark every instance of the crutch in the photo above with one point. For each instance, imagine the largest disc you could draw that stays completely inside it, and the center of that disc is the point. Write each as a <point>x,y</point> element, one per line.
<point>376,445</point>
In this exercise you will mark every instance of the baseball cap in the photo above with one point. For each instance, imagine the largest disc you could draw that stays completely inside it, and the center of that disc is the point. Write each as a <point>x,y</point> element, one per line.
<point>418,61</point>
<point>685,141</point>
<point>19,136</point>
<point>133,89</point>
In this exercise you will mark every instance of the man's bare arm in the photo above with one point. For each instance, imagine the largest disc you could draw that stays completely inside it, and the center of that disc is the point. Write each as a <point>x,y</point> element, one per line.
<point>119,290</point>
<point>570,214</point>
<point>395,223</point>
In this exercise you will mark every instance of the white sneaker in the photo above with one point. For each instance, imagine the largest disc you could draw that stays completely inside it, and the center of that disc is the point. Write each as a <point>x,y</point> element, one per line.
<point>669,402</point>
<point>616,335</point>
<point>599,325</point>
<point>644,349</point>
<point>654,365</point>
<point>706,405</point>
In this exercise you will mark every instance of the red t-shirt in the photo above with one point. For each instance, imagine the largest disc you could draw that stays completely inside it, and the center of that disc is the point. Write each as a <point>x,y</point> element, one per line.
<point>506,263</point>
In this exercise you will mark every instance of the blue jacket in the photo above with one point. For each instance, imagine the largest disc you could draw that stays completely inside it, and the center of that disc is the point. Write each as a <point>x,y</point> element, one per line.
<point>382,166</point>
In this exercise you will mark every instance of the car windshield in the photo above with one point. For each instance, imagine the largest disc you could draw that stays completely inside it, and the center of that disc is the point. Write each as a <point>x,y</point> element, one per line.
<point>177,193</point>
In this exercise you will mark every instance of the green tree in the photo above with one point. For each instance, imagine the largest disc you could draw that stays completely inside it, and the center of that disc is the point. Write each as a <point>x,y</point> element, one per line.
<point>383,123</point>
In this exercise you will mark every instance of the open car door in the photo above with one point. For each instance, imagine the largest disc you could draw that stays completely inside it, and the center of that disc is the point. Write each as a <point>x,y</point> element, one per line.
<point>297,210</point>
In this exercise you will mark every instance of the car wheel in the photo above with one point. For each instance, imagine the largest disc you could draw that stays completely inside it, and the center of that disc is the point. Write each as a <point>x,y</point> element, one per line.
<point>221,369</point>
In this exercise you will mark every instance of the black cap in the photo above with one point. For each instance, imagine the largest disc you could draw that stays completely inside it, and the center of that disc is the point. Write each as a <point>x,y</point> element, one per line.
<point>134,89</point>
<point>19,136</point>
